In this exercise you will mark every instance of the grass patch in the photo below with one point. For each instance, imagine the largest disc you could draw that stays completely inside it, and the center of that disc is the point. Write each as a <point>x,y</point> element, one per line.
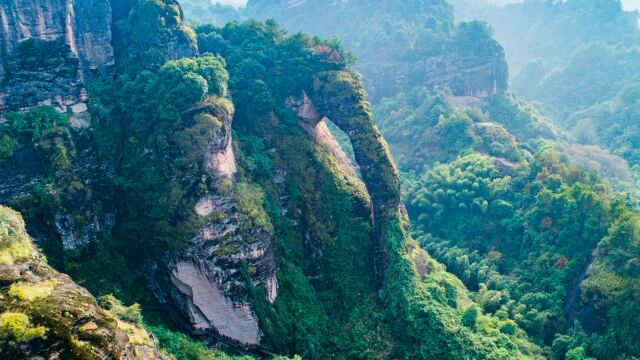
<point>14,242</point>
<point>32,292</point>
<point>17,327</point>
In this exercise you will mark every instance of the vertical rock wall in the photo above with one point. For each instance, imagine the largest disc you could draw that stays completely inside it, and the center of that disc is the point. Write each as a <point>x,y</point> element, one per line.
<point>48,46</point>
<point>206,282</point>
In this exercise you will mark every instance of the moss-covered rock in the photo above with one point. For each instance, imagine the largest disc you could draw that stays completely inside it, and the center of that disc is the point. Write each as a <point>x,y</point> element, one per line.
<point>44,313</point>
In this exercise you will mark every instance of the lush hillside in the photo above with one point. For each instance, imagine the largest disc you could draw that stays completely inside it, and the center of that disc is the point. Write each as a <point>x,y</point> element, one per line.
<point>43,312</point>
<point>578,61</point>
<point>553,31</point>
<point>209,189</point>
<point>194,170</point>
<point>527,231</point>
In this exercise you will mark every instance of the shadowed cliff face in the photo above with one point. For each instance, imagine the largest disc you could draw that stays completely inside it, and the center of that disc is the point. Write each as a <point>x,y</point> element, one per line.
<point>341,98</point>
<point>49,47</point>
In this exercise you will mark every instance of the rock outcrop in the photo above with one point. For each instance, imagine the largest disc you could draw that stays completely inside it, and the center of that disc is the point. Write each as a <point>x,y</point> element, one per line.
<point>43,314</point>
<point>207,280</point>
<point>49,48</point>
<point>152,33</point>
<point>463,72</point>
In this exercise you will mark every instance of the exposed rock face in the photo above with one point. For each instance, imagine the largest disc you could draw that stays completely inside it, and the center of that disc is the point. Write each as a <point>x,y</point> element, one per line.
<point>49,47</point>
<point>61,319</point>
<point>465,73</point>
<point>316,127</point>
<point>208,285</point>
<point>79,218</point>
<point>210,308</point>
<point>19,174</point>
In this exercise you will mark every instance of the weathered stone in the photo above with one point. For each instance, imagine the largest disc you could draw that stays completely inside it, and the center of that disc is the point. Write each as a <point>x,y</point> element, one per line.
<point>208,287</point>
<point>316,127</point>
<point>50,46</point>
<point>210,309</point>
<point>341,97</point>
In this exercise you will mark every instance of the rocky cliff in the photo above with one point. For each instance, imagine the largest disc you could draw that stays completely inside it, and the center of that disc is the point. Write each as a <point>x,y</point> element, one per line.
<point>340,97</point>
<point>462,72</point>
<point>49,47</point>
<point>43,314</point>
<point>267,239</point>
<point>207,284</point>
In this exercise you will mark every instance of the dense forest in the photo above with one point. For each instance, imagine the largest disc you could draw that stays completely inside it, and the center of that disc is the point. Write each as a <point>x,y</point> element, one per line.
<point>577,60</point>
<point>319,180</point>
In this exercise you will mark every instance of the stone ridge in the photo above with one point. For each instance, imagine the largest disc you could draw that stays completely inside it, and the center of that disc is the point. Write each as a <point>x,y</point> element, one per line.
<point>339,96</point>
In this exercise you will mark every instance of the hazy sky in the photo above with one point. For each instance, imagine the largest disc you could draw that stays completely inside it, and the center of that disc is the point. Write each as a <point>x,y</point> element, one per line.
<point>236,2</point>
<point>628,4</point>
<point>631,4</point>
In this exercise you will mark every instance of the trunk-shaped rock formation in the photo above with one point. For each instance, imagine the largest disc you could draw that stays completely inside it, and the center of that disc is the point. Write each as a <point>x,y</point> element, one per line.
<point>207,283</point>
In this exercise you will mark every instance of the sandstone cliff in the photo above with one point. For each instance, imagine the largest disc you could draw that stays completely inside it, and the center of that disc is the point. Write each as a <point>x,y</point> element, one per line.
<point>51,47</point>
<point>207,287</point>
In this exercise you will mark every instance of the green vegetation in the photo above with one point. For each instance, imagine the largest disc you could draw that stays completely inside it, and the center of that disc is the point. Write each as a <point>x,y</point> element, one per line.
<point>15,245</point>
<point>17,327</point>
<point>154,32</point>
<point>42,311</point>
<point>327,287</point>
<point>550,32</point>
<point>384,36</point>
<point>31,292</point>
<point>125,313</point>
<point>250,201</point>
<point>517,223</point>
<point>612,124</point>
<point>519,254</point>
<point>32,126</point>
<point>579,61</point>
<point>160,124</point>
<point>183,347</point>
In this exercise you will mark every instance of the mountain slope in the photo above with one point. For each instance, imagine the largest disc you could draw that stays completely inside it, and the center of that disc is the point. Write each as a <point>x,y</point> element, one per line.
<point>398,44</point>
<point>521,225</point>
<point>214,181</point>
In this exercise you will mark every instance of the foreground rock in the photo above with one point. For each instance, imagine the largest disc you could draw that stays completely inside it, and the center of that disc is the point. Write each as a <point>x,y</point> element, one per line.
<point>44,314</point>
